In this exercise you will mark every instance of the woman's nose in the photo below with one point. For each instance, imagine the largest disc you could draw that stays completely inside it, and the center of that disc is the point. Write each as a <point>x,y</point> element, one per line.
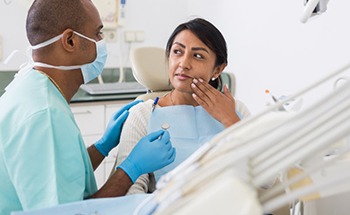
<point>185,62</point>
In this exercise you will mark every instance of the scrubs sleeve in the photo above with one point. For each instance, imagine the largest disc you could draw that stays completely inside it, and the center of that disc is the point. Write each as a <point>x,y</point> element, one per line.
<point>134,128</point>
<point>45,160</point>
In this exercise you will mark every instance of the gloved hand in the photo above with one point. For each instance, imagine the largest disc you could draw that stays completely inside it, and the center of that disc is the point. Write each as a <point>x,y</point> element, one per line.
<point>150,154</point>
<point>110,138</point>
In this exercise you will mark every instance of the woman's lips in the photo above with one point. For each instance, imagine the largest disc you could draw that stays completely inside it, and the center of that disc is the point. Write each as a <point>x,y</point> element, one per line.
<point>183,77</point>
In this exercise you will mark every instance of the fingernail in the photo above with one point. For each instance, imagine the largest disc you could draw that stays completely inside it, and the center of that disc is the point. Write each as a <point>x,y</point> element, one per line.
<point>201,80</point>
<point>193,85</point>
<point>195,81</point>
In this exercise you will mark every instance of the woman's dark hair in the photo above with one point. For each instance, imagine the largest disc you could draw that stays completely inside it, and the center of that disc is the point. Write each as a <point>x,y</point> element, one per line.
<point>210,36</point>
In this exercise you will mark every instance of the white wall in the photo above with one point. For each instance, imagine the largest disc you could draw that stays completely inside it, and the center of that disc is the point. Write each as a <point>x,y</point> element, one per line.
<point>157,18</point>
<point>12,31</point>
<point>270,48</point>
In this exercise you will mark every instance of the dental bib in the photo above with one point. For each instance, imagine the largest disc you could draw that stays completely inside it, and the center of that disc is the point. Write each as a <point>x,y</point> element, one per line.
<point>190,128</point>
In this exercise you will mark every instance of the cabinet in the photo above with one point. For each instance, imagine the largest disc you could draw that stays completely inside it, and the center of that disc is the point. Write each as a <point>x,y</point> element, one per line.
<point>92,119</point>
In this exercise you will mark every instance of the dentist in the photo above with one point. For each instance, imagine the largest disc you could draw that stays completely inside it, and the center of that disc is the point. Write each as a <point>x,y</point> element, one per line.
<point>43,160</point>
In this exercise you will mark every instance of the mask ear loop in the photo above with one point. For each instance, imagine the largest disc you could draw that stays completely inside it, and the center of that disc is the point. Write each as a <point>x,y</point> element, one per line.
<point>23,66</point>
<point>46,43</point>
<point>28,54</point>
<point>29,64</point>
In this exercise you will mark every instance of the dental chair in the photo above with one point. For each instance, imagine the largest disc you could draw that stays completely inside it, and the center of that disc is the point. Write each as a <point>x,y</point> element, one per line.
<point>150,68</point>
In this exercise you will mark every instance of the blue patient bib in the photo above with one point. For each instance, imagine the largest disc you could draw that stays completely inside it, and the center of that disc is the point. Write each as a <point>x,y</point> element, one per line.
<point>190,128</point>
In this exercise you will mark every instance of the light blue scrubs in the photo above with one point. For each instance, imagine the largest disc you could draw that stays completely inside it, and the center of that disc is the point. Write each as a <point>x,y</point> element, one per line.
<point>190,128</point>
<point>43,159</point>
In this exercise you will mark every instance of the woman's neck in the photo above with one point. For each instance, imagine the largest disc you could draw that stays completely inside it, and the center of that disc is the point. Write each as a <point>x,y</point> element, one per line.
<point>177,98</point>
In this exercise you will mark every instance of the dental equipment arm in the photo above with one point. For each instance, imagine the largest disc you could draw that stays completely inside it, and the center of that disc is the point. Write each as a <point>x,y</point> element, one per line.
<point>267,145</point>
<point>313,8</point>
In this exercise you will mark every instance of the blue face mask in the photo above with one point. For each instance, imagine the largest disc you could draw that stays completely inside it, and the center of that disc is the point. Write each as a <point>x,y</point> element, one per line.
<point>89,71</point>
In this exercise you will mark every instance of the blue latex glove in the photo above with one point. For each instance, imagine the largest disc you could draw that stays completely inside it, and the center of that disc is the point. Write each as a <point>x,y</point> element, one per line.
<point>111,137</point>
<point>150,154</point>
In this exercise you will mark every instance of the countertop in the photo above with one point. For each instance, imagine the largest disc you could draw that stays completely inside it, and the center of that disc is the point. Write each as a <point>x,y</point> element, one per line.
<point>109,75</point>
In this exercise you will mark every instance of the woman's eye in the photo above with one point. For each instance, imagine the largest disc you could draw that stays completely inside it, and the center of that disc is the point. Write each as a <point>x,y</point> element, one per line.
<point>176,51</point>
<point>199,56</point>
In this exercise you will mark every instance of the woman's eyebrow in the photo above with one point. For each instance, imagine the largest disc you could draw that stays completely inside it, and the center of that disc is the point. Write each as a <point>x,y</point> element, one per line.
<point>193,48</point>
<point>180,44</point>
<point>200,49</point>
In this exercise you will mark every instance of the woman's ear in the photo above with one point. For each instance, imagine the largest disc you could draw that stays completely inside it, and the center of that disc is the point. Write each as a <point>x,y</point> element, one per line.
<point>219,69</point>
<point>69,40</point>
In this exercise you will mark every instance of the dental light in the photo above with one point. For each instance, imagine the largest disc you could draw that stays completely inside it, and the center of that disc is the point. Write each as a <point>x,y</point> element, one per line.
<point>313,8</point>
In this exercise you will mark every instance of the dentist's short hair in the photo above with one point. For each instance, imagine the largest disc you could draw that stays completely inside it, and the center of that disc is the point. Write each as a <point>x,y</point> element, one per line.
<point>49,18</point>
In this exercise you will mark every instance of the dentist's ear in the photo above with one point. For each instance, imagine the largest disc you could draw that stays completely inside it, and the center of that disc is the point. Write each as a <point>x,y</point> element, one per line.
<point>68,40</point>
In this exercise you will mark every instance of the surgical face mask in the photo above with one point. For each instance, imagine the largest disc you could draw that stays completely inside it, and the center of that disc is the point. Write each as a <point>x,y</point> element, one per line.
<point>90,70</point>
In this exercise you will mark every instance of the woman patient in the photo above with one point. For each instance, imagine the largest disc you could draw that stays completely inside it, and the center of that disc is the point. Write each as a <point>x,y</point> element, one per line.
<point>195,109</point>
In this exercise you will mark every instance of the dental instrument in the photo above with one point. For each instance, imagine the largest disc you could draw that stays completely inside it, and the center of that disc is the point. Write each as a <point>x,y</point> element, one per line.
<point>267,91</point>
<point>165,126</point>
<point>155,103</point>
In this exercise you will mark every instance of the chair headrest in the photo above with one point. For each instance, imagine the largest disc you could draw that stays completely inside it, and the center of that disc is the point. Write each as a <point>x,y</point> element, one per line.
<point>150,68</point>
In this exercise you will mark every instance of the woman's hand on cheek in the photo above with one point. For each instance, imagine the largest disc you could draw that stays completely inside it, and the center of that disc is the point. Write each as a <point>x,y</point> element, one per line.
<point>219,105</point>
